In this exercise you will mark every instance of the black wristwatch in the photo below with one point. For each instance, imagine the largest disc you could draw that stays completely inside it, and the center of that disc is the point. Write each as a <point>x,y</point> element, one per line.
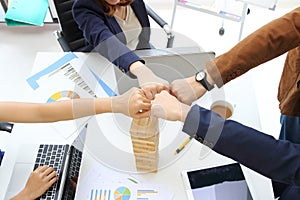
<point>201,78</point>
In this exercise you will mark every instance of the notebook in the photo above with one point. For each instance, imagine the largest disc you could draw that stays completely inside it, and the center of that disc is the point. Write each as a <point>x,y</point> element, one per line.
<point>26,12</point>
<point>64,158</point>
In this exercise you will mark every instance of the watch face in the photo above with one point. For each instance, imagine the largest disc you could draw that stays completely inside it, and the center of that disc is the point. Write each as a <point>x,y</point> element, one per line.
<point>200,76</point>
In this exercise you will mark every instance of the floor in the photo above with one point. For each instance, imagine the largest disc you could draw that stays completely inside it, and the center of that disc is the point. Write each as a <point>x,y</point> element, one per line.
<point>19,46</point>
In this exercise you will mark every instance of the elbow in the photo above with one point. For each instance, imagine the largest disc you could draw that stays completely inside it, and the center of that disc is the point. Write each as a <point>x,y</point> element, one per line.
<point>297,178</point>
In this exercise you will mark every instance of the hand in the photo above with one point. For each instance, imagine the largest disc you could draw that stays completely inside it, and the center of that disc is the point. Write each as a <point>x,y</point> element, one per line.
<point>187,90</point>
<point>168,107</point>
<point>73,182</point>
<point>38,182</point>
<point>148,81</point>
<point>153,87</point>
<point>132,103</point>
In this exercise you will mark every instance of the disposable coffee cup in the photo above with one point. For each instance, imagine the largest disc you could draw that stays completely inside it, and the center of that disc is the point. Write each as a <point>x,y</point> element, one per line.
<point>223,108</point>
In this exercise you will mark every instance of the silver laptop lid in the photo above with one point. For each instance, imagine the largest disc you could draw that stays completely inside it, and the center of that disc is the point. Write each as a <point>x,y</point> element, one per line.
<point>169,64</point>
<point>72,167</point>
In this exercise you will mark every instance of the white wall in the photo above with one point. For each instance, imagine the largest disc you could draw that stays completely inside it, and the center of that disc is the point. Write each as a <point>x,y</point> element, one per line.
<point>280,3</point>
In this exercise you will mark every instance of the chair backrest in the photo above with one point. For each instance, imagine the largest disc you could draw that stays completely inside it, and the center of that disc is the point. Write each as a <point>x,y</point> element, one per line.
<point>4,4</point>
<point>72,35</point>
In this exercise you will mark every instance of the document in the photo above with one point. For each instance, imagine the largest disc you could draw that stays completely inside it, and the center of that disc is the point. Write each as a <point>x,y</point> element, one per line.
<point>26,12</point>
<point>105,183</point>
<point>61,79</point>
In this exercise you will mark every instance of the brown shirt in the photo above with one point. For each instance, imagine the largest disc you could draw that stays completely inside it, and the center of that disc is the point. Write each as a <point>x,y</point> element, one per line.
<point>273,39</point>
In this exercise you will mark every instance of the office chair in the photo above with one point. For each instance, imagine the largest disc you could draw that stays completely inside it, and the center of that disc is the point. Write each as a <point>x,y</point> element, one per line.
<point>4,4</point>
<point>71,38</point>
<point>5,126</point>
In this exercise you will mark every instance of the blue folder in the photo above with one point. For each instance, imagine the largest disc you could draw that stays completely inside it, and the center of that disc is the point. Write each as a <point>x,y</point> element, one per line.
<point>26,12</point>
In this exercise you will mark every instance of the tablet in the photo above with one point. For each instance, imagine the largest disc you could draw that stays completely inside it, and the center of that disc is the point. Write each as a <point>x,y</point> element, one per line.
<point>225,182</point>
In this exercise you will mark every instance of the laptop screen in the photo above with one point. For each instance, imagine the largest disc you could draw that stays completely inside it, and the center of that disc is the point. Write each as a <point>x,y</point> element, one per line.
<point>225,182</point>
<point>73,166</point>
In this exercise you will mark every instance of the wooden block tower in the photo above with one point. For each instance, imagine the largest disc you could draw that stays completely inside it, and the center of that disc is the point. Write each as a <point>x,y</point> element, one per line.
<point>145,139</point>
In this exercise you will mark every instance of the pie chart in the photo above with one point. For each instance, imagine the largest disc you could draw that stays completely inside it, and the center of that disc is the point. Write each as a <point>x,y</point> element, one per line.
<point>122,193</point>
<point>62,95</point>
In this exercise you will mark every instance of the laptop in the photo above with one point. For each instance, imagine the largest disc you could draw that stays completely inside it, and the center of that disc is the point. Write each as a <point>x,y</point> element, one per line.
<point>226,182</point>
<point>64,158</point>
<point>169,64</point>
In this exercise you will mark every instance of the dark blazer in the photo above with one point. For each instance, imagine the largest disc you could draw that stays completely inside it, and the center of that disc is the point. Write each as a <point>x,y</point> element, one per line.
<point>276,159</point>
<point>103,33</point>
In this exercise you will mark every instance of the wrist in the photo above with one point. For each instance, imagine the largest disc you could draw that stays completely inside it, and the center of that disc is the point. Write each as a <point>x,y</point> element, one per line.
<point>114,104</point>
<point>202,78</point>
<point>184,111</point>
<point>23,195</point>
<point>137,68</point>
<point>209,78</point>
<point>104,105</point>
<point>118,104</point>
<point>197,88</point>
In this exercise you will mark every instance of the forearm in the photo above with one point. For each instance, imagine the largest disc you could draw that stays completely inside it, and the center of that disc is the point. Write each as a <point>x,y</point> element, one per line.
<point>138,69</point>
<point>88,107</point>
<point>51,112</point>
<point>246,145</point>
<point>117,53</point>
<point>268,42</point>
<point>22,196</point>
<point>74,109</point>
<point>24,112</point>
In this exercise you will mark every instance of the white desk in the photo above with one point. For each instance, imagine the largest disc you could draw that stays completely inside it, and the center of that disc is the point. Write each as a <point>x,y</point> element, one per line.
<point>170,166</point>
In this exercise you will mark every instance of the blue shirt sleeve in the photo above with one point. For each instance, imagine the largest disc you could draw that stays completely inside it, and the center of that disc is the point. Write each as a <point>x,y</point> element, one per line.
<point>276,159</point>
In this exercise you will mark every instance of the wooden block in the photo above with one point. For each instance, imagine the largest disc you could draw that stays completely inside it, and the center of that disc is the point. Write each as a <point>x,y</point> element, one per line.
<point>144,127</point>
<point>145,139</point>
<point>146,162</point>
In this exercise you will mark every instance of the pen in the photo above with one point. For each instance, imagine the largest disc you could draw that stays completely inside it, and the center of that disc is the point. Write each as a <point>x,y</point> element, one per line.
<point>183,145</point>
<point>132,180</point>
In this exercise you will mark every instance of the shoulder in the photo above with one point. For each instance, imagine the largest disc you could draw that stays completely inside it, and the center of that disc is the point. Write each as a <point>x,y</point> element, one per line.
<point>138,2</point>
<point>82,7</point>
<point>86,4</point>
<point>138,6</point>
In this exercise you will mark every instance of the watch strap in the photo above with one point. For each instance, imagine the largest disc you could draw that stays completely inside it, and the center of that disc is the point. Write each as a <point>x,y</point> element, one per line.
<point>204,81</point>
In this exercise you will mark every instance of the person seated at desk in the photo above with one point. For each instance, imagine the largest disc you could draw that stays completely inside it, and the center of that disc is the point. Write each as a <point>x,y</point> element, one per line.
<point>132,103</point>
<point>115,28</point>
<point>280,36</point>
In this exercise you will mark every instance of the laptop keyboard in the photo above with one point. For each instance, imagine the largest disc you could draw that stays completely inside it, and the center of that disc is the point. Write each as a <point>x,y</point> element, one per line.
<point>53,156</point>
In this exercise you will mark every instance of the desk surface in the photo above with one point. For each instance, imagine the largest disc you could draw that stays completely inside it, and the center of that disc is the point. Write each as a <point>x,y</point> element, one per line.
<point>245,111</point>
